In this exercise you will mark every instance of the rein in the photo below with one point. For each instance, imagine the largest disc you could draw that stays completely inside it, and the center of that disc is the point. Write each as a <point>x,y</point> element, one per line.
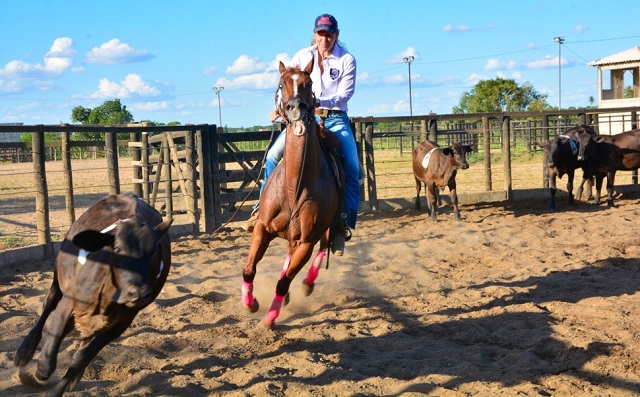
<point>307,120</point>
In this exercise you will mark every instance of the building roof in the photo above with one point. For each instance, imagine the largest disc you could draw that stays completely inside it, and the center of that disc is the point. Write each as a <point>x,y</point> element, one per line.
<point>626,56</point>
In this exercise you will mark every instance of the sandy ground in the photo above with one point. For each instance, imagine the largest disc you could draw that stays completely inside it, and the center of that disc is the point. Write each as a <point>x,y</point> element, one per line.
<point>511,301</point>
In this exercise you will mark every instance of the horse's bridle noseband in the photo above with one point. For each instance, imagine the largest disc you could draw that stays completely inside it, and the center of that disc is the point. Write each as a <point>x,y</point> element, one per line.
<point>309,117</point>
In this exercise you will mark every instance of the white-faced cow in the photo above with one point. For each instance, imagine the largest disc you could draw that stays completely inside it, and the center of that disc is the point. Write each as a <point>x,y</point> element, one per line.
<point>608,154</point>
<point>561,154</point>
<point>437,167</point>
<point>113,262</point>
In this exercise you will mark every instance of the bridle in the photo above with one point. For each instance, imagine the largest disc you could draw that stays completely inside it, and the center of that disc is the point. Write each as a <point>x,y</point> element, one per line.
<point>309,117</point>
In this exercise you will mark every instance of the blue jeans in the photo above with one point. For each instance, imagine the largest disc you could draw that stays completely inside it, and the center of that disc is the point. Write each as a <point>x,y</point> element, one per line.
<point>338,124</point>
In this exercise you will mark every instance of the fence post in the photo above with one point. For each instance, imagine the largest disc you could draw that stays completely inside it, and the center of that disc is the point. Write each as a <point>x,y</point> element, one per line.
<point>68,178</point>
<point>168,183</point>
<point>433,130</point>
<point>371,168</point>
<point>192,183</point>
<point>506,154</point>
<point>111,153</point>
<point>136,156</point>
<point>634,126</point>
<point>42,194</point>
<point>486,135</point>
<point>357,129</point>
<point>145,166</point>
<point>208,188</point>
<point>582,118</point>
<point>423,129</point>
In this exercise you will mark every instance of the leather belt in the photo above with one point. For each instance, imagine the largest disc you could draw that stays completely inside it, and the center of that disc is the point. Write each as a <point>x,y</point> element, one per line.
<point>324,113</point>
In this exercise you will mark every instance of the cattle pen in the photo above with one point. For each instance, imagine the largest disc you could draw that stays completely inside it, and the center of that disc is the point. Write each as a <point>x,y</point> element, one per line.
<point>201,177</point>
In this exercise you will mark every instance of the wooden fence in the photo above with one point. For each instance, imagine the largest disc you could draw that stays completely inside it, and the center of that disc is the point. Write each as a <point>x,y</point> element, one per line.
<point>204,177</point>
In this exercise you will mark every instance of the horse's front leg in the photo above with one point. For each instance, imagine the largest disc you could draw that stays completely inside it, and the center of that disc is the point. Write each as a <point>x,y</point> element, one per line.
<point>309,282</point>
<point>259,244</point>
<point>298,258</point>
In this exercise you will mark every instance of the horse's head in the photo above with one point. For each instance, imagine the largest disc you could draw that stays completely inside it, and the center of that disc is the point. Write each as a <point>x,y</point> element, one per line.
<point>296,94</point>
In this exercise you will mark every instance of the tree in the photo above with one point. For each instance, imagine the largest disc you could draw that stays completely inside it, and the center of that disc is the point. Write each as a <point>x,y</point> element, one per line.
<point>110,112</point>
<point>628,91</point>
<point>501,95</point>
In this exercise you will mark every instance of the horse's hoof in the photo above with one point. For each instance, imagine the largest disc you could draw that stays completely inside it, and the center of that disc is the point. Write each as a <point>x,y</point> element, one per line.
<point>268,324</point>
<point>286,299</point>
<point>254,306</point>
<point>307,289</point>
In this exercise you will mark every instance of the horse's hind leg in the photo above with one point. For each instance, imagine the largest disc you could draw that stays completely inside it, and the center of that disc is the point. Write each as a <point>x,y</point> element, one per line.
<point>312,275</point>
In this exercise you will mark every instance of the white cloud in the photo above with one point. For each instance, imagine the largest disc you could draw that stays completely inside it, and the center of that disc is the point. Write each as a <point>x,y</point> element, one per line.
<point>460,28</point>
<point>57,61</point>
<point>473,79</point>
<point>580,28</point>
<point>115,52</point>
<point>549,61</point>
<point>246,65</point>
<point>399,58</point>
<point>493,64</point>
<point>132,85</point>
<point>150,106</point>
<point>210,71</point>
<point>19,76</point>
<point>253,74</point>
<point>395,79</point>
<point>259,81</point>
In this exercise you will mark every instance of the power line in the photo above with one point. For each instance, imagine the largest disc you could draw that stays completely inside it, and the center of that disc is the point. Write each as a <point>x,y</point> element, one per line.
<point>610,39</point>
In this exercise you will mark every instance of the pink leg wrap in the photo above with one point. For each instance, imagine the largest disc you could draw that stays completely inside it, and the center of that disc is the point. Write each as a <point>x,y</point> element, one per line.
<point>287,260</point>
<point>247,293</point>
<point>274,310</point>
<point>314,270</point>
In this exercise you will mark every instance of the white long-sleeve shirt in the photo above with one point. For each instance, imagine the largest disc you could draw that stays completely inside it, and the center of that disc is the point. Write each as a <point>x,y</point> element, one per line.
<point>338,82</point>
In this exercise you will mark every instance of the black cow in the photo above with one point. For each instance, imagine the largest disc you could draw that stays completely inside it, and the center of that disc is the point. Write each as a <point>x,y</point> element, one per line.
<point>561,154</point>
<point>113,262</point>
<point>438,171</point>
<point>608,154</point>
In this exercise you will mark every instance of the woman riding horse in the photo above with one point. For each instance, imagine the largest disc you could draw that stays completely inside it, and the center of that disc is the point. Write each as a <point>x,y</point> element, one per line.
<point>300,200</point>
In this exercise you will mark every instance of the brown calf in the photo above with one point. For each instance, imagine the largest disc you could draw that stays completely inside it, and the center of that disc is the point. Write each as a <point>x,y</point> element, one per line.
<point>440,171</point>
<point>113,263</point>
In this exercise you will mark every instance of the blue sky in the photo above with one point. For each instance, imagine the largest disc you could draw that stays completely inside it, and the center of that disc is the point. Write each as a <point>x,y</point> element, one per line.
<point>162,58</point>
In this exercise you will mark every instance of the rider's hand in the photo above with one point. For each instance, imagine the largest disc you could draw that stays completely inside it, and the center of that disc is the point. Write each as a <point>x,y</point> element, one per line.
<point>275,115</point>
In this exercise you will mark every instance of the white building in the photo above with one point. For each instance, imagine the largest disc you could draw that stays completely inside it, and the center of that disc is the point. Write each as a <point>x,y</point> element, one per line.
<point>615,73</point>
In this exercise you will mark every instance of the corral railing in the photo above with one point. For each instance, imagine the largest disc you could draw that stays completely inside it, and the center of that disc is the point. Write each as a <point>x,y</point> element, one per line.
<point>202,178</point>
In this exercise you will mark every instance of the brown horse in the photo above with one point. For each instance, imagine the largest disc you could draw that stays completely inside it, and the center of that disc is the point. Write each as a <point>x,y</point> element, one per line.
<point>300,198</point>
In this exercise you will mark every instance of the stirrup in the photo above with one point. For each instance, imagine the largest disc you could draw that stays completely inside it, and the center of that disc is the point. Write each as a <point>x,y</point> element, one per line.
<point>347,233</point>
